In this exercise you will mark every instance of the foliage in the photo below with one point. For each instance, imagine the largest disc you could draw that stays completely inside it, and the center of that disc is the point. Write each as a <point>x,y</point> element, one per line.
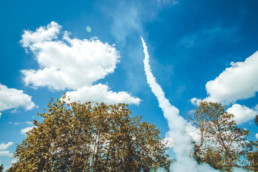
<point>253,159</point>
<point>86,137</point>
<point>1,167</point>
<point>222,141</point>
<point>213,158</point>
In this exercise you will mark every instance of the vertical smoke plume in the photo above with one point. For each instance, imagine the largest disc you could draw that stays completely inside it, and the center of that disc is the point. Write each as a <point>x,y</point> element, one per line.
<point>182,143</point>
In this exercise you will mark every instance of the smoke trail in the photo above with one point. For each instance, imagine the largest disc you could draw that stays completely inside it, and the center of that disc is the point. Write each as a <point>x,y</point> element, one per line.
<point>182,143</point>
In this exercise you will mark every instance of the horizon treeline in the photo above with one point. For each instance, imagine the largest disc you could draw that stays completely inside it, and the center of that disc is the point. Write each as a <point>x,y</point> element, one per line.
<point>98,137</point>
<point>86,137</point>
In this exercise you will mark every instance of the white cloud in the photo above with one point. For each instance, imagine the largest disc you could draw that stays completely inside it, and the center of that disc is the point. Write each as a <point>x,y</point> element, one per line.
<point>3,151</point>
<point>171,2</point>
<point>101,93</point>
<point>42,34</point>
<point>71,63</point>
<point>5,146</point>
<point>237,82</point>
<point>29,122</point>
<point>6,153</point>
<point>25,130</point>
<point>256,136</point>
<point>242,113</point>
<point>195,101</point>
<point>12,98</point>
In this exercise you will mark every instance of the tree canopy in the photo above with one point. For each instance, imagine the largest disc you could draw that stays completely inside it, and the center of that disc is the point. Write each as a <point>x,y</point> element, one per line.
<point>90,137</point>
<point>222,141</point>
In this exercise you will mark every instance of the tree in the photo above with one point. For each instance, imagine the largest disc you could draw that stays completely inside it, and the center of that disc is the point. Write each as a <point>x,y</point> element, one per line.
<point>1,167</point>
<point>252,157</point>
<point>220,134</point>
<point>86,137</point>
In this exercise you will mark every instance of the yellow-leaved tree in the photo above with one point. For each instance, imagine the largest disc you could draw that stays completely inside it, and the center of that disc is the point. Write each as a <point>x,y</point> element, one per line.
<point>90,137</point>
<point>223,144</point>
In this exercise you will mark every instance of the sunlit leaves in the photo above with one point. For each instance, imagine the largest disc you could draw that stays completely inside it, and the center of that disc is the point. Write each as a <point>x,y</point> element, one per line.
<point>90,137</point>
<point>222,141</point>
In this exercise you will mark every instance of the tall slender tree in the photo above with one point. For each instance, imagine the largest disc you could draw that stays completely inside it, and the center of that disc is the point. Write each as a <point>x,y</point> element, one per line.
<point>219,134</point>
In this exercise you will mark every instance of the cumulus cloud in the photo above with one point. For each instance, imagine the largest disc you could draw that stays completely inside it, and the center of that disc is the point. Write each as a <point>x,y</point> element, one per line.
<point>25,130</point>
<point>12,98</point>
<point>71,63</point>
<point>256,136</point>
<point>3,151</point>
<point>101,93</point>
<point>5,146</point>
<point>242,113</point>
<point>239,81</point>
<point>42,34</point>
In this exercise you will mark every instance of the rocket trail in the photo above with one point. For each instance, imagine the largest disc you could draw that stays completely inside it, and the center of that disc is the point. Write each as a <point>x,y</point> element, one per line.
<point>182,143</point>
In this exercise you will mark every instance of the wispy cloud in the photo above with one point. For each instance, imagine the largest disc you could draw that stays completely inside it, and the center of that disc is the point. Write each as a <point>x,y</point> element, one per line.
<point>126,21</point>
<point>208,36</point>
<point>169,2</point>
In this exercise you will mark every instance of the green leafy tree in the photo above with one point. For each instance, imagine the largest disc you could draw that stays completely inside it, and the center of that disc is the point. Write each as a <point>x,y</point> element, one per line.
<point>86,137</point>
<point>222,141</point>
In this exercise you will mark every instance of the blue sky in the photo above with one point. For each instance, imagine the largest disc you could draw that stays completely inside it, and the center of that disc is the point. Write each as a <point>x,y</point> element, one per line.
<point>190,43</point>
